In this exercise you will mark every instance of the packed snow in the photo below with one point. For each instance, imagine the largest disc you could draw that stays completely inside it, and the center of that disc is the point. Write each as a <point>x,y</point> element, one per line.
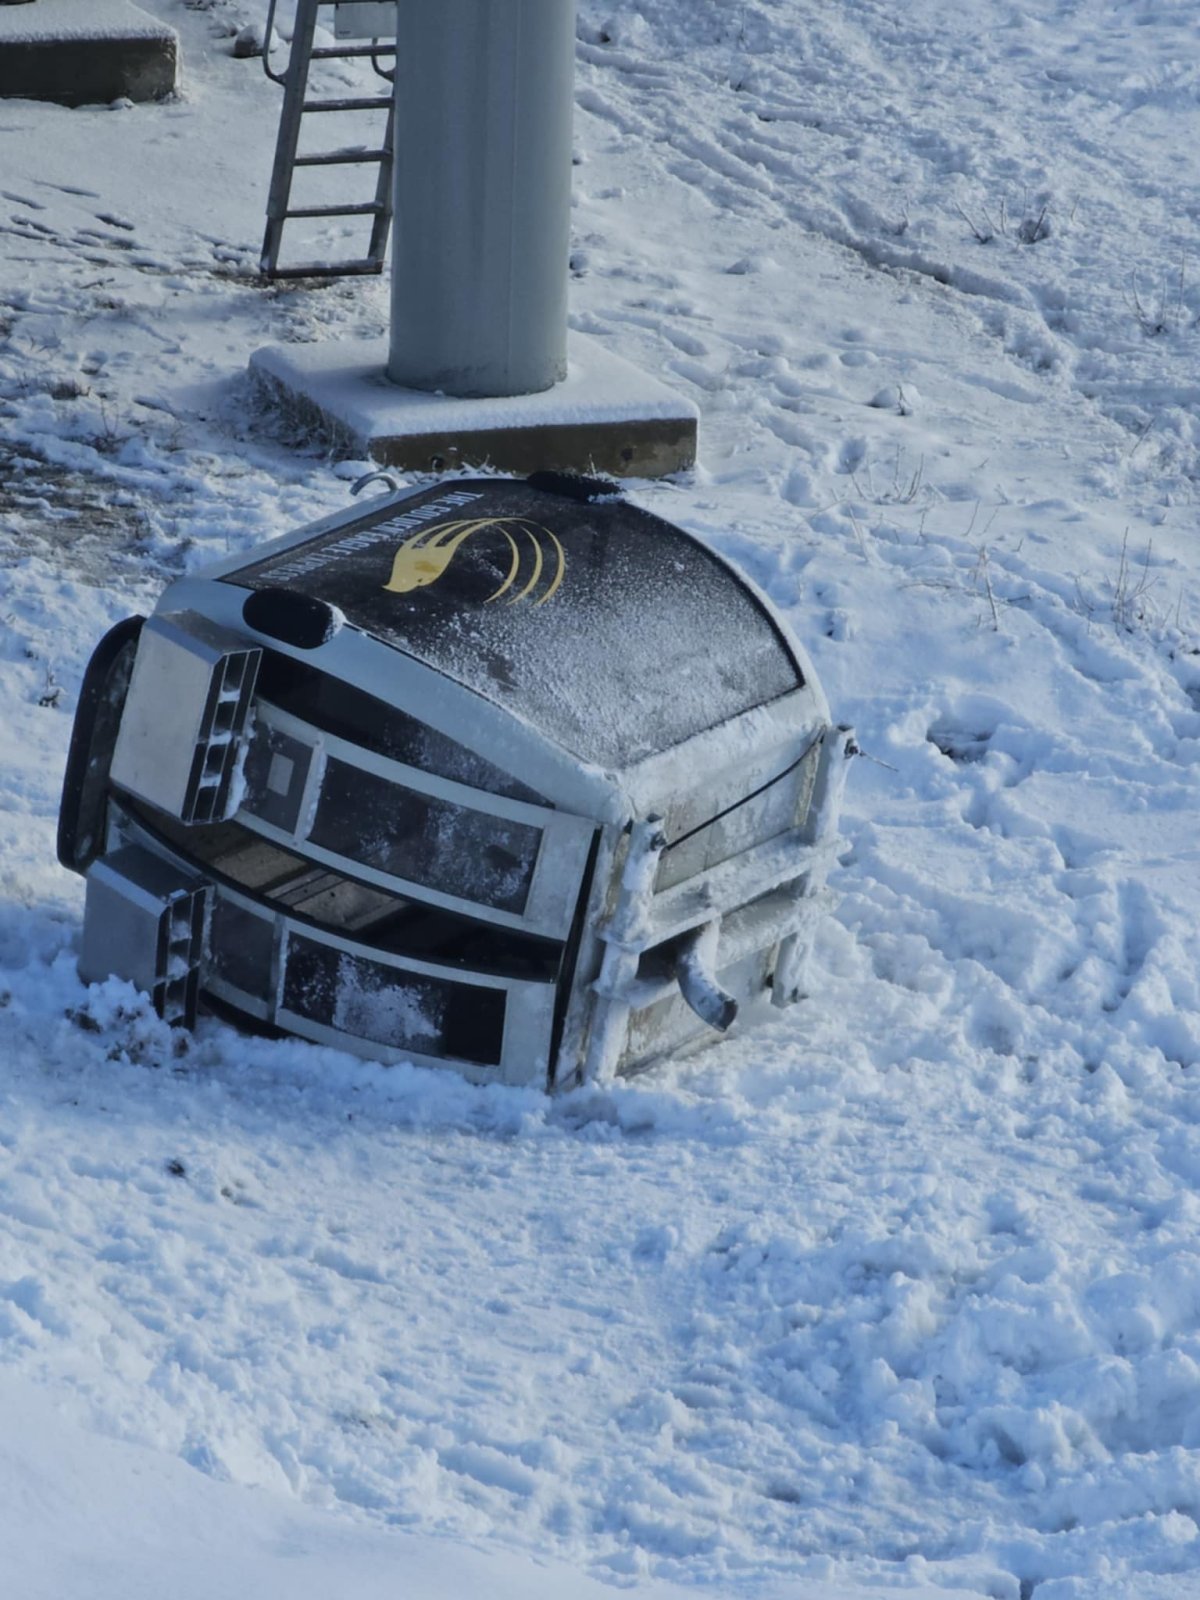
<point>900,1292</point>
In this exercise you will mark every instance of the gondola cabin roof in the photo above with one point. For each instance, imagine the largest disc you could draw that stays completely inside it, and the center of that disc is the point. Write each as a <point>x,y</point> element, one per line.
<point>615,633</point>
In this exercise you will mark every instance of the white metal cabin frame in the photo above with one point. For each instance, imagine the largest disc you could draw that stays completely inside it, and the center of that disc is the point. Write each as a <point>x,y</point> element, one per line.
<point>651,951</point>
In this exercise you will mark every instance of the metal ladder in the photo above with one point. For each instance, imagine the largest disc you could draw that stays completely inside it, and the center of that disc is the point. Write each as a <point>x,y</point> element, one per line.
<point>297,103</point>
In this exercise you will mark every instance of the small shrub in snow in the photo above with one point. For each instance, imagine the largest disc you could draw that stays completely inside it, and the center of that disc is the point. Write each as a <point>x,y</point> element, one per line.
<point>906,480</point>
<point>52,690</point>
<point>1127,598</point>
<point>1130,605</point>
<point>986,230</point>
<point>68,389</point>
<point>1035,229</point>
<point>1168,316</point>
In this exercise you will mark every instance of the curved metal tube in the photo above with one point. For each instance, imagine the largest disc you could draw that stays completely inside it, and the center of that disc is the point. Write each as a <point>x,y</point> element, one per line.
<point>698,984</point>
<point>393,484</point>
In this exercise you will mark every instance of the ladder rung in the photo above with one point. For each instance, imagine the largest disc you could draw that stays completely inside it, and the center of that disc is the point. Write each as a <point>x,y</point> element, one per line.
<point>370,209</point>
<point>330,269</point>
<point>375,150</point>
<point>333,52</point>
<point>344,158</point>
<point>365,103</point>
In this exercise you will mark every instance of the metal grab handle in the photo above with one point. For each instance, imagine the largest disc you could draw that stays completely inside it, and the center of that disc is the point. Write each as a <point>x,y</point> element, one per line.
<point>268,31</point>
<point>698,983</point>
<point>281,77</point>
<point>392,484</point>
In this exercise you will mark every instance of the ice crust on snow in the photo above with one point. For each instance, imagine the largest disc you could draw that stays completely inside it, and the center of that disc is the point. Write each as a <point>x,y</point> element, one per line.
<point>901,1292</point>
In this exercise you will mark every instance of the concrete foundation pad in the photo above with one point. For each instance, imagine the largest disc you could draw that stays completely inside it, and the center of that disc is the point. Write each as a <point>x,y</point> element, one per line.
<point>606,416</point>
<point>85,52</point>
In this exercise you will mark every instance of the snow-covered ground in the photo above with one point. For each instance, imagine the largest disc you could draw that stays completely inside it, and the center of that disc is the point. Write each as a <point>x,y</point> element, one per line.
<point>900,1292</point>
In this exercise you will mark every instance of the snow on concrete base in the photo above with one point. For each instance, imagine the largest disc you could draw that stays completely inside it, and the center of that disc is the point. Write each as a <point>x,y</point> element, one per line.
<point>606,416</point>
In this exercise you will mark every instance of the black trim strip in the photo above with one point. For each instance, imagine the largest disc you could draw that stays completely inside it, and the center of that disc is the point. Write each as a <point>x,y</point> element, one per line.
<point>570,960</point>
<point>97,719</point>
<point>482,947</point>
<point>330,705</point>
<point>746,799</point>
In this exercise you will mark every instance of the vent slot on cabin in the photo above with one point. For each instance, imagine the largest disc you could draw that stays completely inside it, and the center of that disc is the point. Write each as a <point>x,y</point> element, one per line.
<point>145,923</point>
<point>186,718</point>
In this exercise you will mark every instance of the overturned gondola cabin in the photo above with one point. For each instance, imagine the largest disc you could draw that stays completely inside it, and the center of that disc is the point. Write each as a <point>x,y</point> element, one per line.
<point>507,776</point>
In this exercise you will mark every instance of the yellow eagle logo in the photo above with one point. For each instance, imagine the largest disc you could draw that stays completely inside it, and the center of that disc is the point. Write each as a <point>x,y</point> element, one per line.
<point>423,559</point>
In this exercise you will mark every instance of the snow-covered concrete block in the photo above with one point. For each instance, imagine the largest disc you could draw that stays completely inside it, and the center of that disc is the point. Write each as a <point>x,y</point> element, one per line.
<point>606,416</point>
<point>85,52</point>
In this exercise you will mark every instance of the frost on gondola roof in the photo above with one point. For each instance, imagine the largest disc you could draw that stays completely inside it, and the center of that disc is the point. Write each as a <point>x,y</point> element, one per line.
<point>581,617</point>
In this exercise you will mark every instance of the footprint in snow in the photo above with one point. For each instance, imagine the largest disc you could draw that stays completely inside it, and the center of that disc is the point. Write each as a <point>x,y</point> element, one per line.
<point>958,743</point>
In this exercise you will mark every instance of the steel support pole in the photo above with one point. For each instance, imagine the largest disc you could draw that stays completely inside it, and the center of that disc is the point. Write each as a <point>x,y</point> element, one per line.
<point>484,95</point>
